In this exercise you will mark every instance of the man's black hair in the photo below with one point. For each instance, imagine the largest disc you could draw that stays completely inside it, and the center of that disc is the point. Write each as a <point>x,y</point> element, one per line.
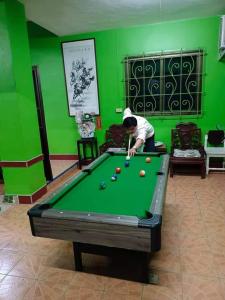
<point>129,122</point>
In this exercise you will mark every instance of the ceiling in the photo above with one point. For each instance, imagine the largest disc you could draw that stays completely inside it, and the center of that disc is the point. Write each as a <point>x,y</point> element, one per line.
<point>66,17</point>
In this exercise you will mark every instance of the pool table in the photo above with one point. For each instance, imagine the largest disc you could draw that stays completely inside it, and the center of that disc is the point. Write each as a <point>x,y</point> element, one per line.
<point>125,215</point>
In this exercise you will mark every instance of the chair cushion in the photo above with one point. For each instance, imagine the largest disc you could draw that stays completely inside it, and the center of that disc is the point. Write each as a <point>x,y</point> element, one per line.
<point>186,153</point>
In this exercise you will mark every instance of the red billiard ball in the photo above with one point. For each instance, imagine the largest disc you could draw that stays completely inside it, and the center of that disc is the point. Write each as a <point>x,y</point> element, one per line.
<point>118,170</point>
<point>148,159</point>
<point>142,173</point>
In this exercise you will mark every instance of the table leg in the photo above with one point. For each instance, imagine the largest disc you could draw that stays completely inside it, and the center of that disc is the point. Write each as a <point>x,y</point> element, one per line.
<point>207,164</point>
<point>144,267</point>
<point>77,257</point>
<point>92,152</point>
<point>84,151</point>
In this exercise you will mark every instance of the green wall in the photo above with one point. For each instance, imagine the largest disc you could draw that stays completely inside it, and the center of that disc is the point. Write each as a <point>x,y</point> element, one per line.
<point>19,132</point>
<point>111,47</point>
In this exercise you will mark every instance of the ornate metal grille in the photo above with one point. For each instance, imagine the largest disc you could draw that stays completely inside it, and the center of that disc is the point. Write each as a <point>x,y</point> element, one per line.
<point>165,83</point>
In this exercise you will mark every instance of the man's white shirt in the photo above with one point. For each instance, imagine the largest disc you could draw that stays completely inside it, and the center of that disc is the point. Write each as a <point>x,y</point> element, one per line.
<point>144,129</point>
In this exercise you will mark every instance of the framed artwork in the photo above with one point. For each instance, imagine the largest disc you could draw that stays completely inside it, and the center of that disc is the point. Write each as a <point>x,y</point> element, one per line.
<point>81,77</point>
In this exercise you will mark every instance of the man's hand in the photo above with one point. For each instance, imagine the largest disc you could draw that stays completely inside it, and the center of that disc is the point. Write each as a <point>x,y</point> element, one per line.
<point>132,152</point>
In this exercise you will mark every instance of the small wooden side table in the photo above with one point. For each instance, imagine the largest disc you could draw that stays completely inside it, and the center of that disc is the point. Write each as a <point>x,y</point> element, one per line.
<point>82,155</point>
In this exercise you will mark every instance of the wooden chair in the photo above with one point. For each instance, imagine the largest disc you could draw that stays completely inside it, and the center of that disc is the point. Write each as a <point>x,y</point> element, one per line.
<point>115,137</point>
<point>187,150</point>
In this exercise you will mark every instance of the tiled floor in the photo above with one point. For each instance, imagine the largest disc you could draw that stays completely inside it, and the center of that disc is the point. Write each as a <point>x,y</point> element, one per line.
<point>60,166</point>
<point>190,265</point>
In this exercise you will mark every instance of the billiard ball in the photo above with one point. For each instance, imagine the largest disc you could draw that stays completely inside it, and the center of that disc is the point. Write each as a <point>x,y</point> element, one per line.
<point>114,178</point>
<point>102,185</point>
<point>118,170</point>
<point>126,164</point>
<point>142,173</point>
<point>128,157</point>
<point>148,159</point>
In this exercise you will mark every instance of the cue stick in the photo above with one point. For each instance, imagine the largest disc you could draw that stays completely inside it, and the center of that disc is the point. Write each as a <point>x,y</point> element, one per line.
<point>129,146</point>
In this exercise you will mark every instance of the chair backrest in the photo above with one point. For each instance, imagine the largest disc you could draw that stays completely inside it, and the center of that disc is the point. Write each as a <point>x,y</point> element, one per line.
<point>116,134</point>
<point>186,125</point>
<point>115,137</point>
<point>186,136</point>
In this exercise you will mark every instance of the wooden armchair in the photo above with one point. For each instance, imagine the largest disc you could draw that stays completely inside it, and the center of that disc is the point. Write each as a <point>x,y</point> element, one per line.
<point>187,150</point>
<point>115,137</point>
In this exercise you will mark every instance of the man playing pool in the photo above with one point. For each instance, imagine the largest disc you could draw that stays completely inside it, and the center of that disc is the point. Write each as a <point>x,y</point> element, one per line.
<point>139,128</point>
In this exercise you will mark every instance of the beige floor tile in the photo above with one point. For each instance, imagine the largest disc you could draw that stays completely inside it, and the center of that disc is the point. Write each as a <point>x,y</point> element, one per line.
<point>171,216</point>
<point>45,290</point>
<point>166,260</point>
<point>216,241</point>
<point>64,261</point>
<point>15,211</point>
<point>170,239</point>
<point>214,214</point>
<point>8,259</point>
<point>192,228</point>
<point>219,262</point>
<point>193,243</point>
<point>5,238</point>
<point>169,287</point>
<point>30,266</point>
<point>170,195</point>
<point>77,293</point>
<point>123,287</point>
<point>215,230</point>
<point>189,217</point>
<point>60,166</point>
<point>1,277</point>
<point>57,276</point>
<point>89,281</point>
<point>222,281</point>
<point>7,226</point>
<point>197,262</point>
<point>14,288</point>
<point>116,295</point>
<point>202,288</point>
<point>59,247</point>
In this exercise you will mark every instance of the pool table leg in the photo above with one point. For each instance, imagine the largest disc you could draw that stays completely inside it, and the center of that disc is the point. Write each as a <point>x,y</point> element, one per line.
<point>144,267</point>
<point>143,257</point>
<point>77,257</point>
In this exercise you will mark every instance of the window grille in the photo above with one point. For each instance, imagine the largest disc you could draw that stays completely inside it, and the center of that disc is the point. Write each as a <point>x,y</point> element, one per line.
<point>165,83</point>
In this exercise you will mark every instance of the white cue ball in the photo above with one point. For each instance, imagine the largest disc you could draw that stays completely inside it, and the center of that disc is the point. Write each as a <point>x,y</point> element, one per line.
<point>128,157</point>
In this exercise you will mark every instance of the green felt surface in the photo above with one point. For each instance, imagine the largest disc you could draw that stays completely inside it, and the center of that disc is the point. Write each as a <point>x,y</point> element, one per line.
<point>129,195</point>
